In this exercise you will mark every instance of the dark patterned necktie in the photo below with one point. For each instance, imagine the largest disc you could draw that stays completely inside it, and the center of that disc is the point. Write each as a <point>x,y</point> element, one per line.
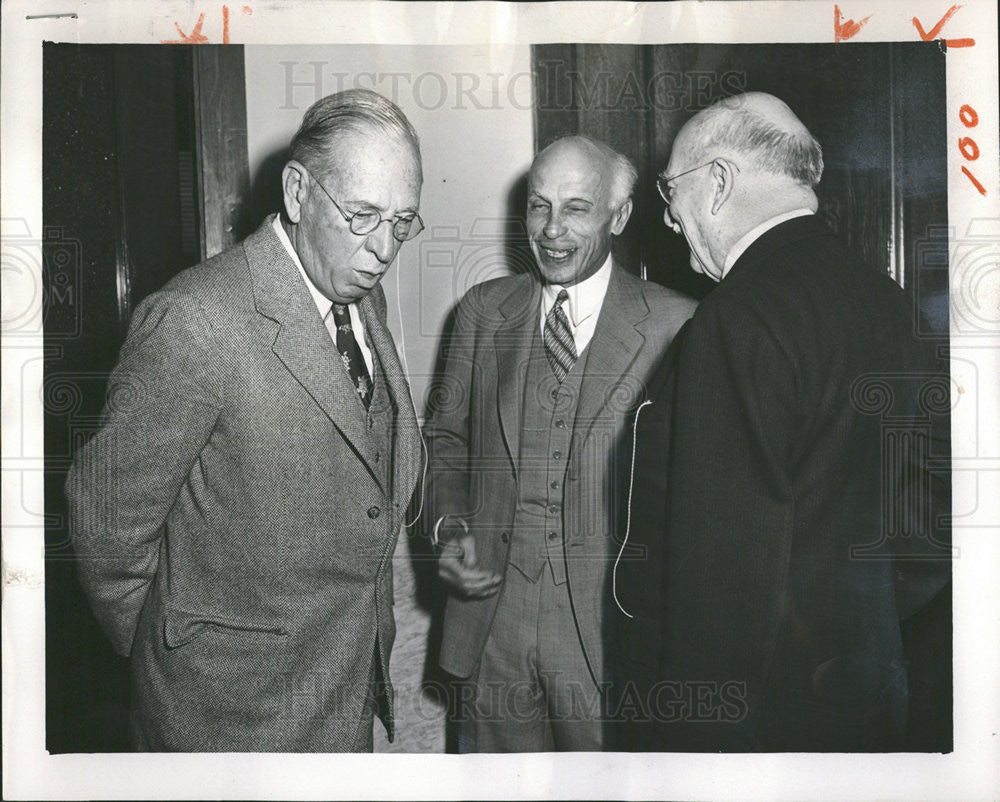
<point>559,345</point>
<point>350,353</point>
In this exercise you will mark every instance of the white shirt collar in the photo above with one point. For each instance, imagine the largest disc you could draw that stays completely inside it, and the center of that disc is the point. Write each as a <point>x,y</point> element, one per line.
<point>585,299</point>
<point>754,234</point>
<point>322,302</point>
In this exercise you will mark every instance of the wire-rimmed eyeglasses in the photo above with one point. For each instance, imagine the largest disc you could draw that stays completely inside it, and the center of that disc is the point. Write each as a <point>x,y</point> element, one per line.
<point>663,182</point>
<point>365,221</point>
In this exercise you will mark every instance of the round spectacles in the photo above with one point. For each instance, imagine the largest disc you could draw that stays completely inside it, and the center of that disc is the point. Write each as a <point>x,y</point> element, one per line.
<point>365,221</point>
<point>663,182</point>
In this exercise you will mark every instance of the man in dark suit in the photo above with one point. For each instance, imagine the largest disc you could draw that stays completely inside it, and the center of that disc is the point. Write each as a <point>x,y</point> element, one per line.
<point>794,431</point>
<point>542,371</point>
<point>236,515</point>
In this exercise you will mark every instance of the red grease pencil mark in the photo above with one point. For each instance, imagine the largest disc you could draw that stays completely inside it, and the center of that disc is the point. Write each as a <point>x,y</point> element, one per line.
<point>196,37</point>
<point>974,180</point>
<point>933,32</point>
<point>967,145</point>
<point>845,29</point>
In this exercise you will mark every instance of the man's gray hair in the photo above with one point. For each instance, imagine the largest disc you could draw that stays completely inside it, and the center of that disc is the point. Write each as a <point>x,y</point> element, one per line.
<point>772,148</point>
<point>354,111</point>
<point>623,173</point>
<point>623,178</point>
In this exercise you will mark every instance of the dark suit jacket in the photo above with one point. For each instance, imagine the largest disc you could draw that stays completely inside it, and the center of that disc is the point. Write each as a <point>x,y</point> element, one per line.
<point>803,421</point>
<point>474,439</point>
<point>233,532</point>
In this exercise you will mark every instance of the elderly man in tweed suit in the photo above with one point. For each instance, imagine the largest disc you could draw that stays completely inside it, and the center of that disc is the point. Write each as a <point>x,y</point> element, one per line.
<point>236,515</point>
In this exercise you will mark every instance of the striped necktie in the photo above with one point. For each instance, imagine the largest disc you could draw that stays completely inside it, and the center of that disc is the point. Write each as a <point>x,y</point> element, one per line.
<point>559,345</point>
<point>350,353</point>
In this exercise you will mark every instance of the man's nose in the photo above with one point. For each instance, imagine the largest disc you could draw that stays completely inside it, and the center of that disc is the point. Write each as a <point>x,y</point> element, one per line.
<point>381,242</point>
<point>554,226</point>
<point>670,222</point>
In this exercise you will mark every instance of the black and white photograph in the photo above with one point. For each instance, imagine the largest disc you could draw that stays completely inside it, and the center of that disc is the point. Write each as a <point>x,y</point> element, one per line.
<point>500,400</point>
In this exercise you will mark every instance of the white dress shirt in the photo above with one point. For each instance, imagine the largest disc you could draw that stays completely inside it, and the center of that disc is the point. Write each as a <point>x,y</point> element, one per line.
<point>583,306</point>
<point>325,305</point>
<point>754,234</point>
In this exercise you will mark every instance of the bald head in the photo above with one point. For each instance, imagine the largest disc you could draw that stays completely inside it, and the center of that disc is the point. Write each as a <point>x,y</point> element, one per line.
<point>762,130</point>
<point>616,173</point>
<point>578,199</point>
<point>734,166</point>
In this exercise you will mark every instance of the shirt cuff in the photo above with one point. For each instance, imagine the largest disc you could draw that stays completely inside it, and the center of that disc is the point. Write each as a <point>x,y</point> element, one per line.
<point>452,521</point>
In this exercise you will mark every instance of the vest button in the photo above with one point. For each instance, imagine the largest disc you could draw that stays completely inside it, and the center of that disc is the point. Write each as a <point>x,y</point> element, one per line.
<point>553,508</point>
<point>504,537</point>
<point>553,535</point>
<point>557,455</point>
<point>554,484</point>
<point>560,424</point>
<point>374,512</point>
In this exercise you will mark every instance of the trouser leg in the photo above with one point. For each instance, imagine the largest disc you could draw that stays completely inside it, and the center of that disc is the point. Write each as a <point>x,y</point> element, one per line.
<point>504,700</point>
<point>575,704</point>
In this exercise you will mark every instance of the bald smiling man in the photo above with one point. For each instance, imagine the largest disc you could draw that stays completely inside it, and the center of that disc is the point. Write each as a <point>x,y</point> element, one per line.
<point>791,543</point>
<point>543,371</point>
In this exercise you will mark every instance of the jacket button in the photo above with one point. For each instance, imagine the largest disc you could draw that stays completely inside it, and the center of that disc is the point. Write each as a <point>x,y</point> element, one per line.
<point>504,537</point>
<point>373,512</point>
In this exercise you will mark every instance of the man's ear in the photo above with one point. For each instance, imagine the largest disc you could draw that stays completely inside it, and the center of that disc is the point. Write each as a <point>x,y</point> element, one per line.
<point>620,217</point>
<point>294,189</point>
<point>722,175</point>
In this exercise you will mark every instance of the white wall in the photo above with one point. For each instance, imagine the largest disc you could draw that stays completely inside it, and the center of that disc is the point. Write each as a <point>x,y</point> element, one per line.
<point>471,106</point>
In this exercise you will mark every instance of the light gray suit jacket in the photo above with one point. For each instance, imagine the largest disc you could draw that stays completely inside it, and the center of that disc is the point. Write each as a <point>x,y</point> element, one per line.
<point>233,530</point>
<point>474,440</point>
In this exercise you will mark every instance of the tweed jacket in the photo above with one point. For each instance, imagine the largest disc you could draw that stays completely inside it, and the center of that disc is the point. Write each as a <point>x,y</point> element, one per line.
<point>473,438</point>
<point>233,527</point>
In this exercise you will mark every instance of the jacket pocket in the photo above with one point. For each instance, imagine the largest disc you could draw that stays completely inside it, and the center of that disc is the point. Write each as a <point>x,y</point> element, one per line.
<point>180,627</point>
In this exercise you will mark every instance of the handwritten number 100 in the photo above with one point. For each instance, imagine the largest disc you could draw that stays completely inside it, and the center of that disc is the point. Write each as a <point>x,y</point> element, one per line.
<point>967,145</point>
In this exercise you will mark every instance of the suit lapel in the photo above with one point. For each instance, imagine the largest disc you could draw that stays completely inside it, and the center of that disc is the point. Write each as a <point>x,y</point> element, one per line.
<point>512,341</point>
<point>407,433</point>
<point>303,343</point>
<point>613,349</point>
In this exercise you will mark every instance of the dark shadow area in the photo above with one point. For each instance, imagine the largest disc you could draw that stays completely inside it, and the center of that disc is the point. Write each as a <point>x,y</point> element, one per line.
<point>432,595</point>
<point>118,207</point>
<point>517,246</point>
<point>265,194</point>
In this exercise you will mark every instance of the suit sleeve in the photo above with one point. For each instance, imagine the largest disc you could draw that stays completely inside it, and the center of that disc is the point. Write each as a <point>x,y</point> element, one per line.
<point>448,432</point>
<point>163,401</point>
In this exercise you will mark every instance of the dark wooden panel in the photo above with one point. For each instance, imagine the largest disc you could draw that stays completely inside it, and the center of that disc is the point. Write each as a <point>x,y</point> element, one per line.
<point>598,91</point>
<point>154,103</point>
<point>120,213</point>
<point>221,130</point>
<point>86,685</point>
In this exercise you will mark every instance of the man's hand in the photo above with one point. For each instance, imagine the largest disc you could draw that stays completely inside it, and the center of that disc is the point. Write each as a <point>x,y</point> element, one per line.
<point>458,568</point>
